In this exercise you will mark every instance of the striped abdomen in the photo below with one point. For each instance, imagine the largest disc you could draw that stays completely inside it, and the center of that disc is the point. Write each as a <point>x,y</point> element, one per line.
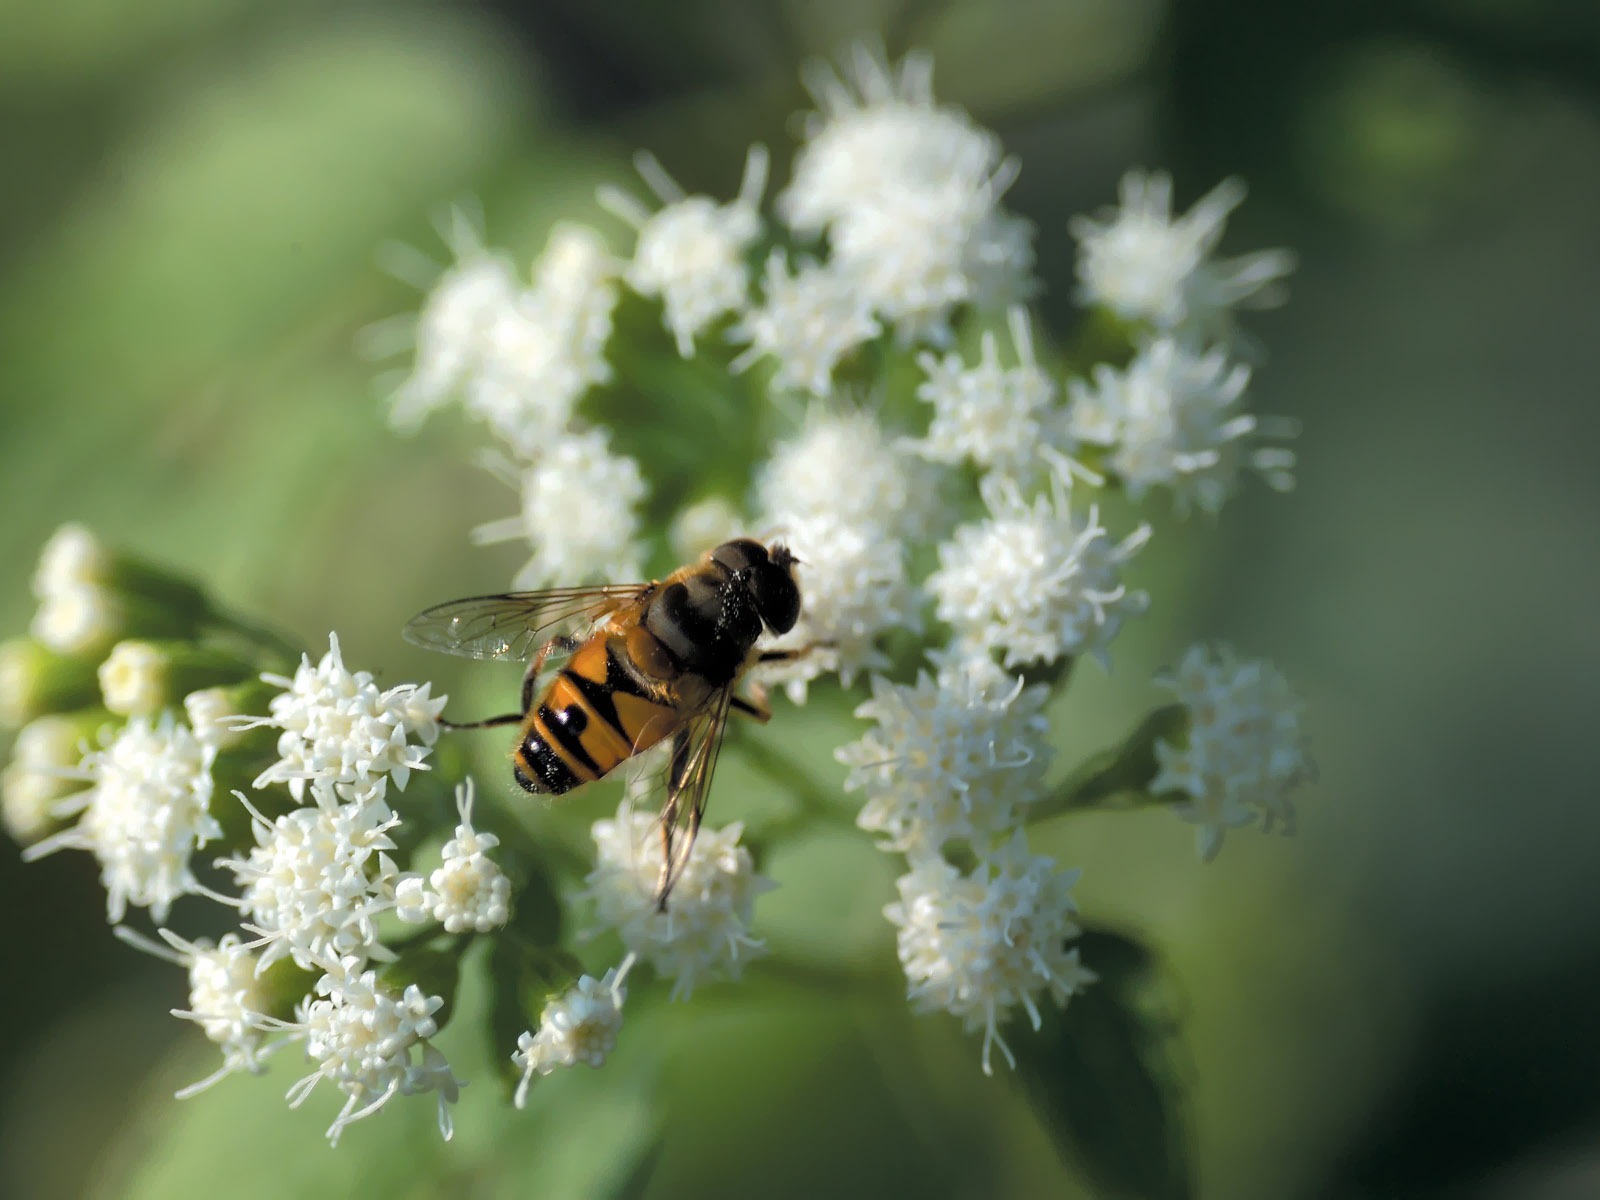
<point>595,715</point>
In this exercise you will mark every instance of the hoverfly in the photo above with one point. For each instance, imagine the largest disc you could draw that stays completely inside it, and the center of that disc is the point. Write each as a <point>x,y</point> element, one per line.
<point>658,660</point>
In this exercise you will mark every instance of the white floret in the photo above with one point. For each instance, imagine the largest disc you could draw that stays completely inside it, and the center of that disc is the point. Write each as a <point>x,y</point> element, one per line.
<point>1033,581</point>
<point>704,933</point>
<point>147,811</point>
<point>983,944</point>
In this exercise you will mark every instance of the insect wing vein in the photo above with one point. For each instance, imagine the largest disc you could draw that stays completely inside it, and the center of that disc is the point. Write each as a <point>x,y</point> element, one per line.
<point>510,625</point>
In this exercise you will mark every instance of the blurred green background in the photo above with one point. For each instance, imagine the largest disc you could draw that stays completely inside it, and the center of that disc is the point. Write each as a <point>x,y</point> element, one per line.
<point>1400,1001</point>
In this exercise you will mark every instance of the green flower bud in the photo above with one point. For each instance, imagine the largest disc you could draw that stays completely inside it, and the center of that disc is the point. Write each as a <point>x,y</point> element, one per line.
<point>36,680</point>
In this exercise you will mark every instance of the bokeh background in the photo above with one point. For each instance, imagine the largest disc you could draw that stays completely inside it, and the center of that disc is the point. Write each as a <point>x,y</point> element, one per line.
<point>1401,1001</point>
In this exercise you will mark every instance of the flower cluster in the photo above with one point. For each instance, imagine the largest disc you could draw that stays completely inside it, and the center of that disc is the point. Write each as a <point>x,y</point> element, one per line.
<point>156,732</point>
<point>963,499</point>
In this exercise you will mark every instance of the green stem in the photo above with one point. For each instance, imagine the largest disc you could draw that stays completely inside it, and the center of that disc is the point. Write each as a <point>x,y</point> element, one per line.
<point>1125,770</point>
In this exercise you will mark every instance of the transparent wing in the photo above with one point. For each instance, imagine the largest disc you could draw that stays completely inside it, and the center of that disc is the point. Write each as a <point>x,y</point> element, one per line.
<point>511,625</point>
<point>688,785</point>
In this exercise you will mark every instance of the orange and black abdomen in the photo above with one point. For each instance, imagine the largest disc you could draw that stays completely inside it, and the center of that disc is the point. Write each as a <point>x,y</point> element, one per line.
<point>594,716</point>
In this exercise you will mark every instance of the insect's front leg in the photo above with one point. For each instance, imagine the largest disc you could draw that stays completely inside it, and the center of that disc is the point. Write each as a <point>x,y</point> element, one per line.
<point>756,706</point>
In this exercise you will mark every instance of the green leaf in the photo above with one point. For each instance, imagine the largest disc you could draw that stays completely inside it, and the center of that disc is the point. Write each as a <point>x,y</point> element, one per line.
<point>1101,1079</point>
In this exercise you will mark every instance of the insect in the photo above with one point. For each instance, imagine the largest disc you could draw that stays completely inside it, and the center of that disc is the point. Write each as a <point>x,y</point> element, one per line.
<point>659,660</point>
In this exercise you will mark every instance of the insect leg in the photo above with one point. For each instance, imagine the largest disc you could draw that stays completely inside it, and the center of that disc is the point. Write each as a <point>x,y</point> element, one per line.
<point>783,656</point>
<point>487,723</point>
<point>530,677</point>
<point>756,706</point>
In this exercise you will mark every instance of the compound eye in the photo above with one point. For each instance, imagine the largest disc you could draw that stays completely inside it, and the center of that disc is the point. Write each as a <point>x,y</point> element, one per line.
<point>777,598</point>
<point>741,554</point>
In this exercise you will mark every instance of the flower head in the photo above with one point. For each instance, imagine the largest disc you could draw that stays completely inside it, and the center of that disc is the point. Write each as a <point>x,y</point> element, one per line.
<point>546,349</point>
<point>1172,419</point>
<point>579,513</point>
<point>451,336</point>
<point>1033,581</point>
<point>983,944</point>
<point>842,464</point>
<point>704,932</point>
<point>1246,749</point>
<point>318,877</point>
<point>227,997</point>
<point>146,812</point>
<point>808,321</point>
<point>363,1037</point>
<point>908,194</point>
<point>339,729</point>
<point>469,891</point>
<point>853,588</point>
<point>578,1026</point>
<point>990,415</point>
<point>957,756</point>
<point>691,253</point>
<point>1145,265</point>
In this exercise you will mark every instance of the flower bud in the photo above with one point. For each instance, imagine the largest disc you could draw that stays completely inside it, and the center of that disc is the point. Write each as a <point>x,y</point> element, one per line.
<point>35,680</point>
<point>88,620</point>
<point>75,558</point>
<point>214,713</point>
<point>140,678</point>
<point>47,750</point>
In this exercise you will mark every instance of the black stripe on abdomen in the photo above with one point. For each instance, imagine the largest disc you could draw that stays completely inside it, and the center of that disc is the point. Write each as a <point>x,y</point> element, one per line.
<point>547,767</point>
<point>565,727</point>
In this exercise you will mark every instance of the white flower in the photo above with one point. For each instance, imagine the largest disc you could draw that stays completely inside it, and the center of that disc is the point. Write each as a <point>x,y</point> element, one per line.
<point>704,933</point>
<point>841,464</point>
<point>853,589</point>
<point>994,416</point>
<point>341,730</point>
<point>1144,265</point>
<point>953,757</point>
<point>78,620</point>
<point>147,811</point>
<point>1245,750</point>
<point>807,322</point>
<point>578,513</point>
<point>318,877</point>
<point>362,1037</point>
<point>227,998</point>
<point>578,1026</point>
<point>1171,419</point>
<point>133,678</point>
<point>212,716</point>
<point>908,194</point>
<point>1033,581</point>
<point>451,336</point>
<point>692,252</point>
<point>469,891</point>
<point>72,558</point>
<point>545,350</point>
<point>980,945</point>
